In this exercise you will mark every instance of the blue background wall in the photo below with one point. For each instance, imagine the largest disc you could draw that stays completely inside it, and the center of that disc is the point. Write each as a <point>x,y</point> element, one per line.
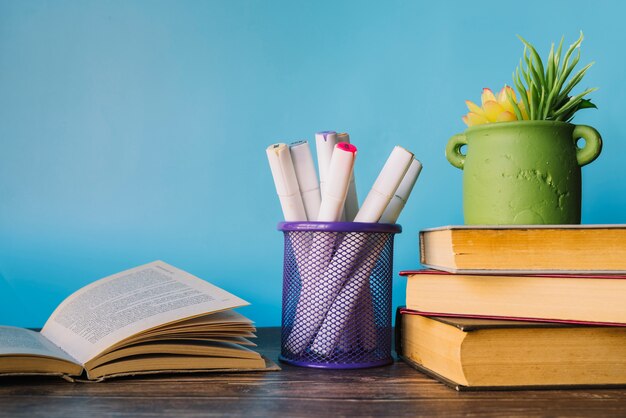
<point>135,130</point>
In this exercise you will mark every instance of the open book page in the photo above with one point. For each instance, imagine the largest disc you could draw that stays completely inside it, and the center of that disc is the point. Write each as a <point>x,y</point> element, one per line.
<point>220,319</point>
<point>224,321</point>
<point>24,342</point>
<point>116,307</point>
<point>219,325</point>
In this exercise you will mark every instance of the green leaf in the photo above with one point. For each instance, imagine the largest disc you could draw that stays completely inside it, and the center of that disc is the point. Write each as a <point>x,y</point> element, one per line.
<point>516,109</point>
<point>545,93</point>
<point>540,109</point>
<point>575,80</point>
<point>557,56</point>
<point>534,98</point>
<point>573,102</point>
<point>571,49</point>
<point>550,70</point>
<point>536,58</point>
<point>567,68</point>
<point>522,71</point>
<point>563,76</point>
<point>537,76</point>
<point>522,91</point>
<point>586,104</point>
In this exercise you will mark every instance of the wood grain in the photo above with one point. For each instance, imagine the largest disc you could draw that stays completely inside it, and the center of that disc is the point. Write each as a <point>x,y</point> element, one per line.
<point>396,390</point>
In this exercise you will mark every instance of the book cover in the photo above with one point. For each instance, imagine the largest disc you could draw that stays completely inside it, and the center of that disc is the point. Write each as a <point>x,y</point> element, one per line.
<point>487,249</point>
<point>567,298</point>
<point>468,354</point>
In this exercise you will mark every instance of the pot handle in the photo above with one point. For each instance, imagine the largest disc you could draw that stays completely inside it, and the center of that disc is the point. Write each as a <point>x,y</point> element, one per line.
<point>593,144</point>
<point>453,150</point>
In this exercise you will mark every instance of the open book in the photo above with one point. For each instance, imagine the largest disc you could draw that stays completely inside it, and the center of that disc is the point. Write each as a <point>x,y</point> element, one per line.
<point>150,319</point>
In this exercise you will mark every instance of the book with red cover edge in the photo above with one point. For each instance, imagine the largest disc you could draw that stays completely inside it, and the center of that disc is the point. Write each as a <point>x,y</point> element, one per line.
<point>466,328</point>
<point>497,273</point>
<point>513,318</point>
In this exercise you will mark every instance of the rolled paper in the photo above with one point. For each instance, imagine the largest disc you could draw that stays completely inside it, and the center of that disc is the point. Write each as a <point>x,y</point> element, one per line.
<point>286,182</point>
<point>307,178</point>
<point>367,330</point>
<point>351,207</point>
<point>313,304</point>
<point>361,265</point>
<point>367,326</point>
<point>347,301</point>
<point>336,189</point>
<point>385,185</point>
<point>309,312</point>
<point>287,187</point>
<point>325,144</point>
<point>395,206</point>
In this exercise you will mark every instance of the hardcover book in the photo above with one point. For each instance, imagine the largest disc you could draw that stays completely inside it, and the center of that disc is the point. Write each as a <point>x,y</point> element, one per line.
<point>473,354</point>
<point>525,249</point>
<point>597,299</point>
<point>150,319</point>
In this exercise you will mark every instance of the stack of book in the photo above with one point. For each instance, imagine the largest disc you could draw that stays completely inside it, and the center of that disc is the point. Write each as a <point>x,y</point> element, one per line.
<point>518,306</point>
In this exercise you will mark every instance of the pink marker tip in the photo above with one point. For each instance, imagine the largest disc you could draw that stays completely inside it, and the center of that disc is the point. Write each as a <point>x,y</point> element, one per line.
<point>344,146</point>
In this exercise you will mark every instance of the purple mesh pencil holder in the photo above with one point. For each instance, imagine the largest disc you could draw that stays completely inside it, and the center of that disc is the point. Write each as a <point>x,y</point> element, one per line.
<point>337,279</point>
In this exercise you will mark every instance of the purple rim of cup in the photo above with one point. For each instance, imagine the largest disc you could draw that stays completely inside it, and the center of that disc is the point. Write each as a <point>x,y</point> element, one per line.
<point>339,227</point>
<point>377,363</point>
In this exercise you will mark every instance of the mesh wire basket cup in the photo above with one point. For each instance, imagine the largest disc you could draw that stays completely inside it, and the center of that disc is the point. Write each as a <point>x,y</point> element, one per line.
<point>337,281</point>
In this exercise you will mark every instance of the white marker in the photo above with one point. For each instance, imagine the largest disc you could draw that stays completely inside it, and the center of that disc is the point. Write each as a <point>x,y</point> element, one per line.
<point>338,180</point>
<point>286,182</point>
<point>385,186</point>
<point>325,145</point>
<point>394,208</point>
<point>307,178</point>
<point>351,207</point>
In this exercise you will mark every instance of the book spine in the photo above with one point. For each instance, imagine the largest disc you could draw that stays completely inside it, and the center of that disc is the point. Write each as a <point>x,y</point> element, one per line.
<point>421,245</point>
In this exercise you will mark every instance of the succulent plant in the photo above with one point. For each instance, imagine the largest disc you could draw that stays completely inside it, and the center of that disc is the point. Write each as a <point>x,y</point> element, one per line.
<point>494,108</point>
<point>545,92</point>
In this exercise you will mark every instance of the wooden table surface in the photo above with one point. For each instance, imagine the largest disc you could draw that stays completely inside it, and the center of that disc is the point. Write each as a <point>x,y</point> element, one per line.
<point>395,390</point>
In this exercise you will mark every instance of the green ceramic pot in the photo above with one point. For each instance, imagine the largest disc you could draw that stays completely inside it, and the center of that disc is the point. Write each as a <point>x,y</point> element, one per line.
<point>525,172</point>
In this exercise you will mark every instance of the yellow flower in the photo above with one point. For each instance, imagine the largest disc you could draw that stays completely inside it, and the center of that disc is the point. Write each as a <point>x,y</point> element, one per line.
<point>494,109</point>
